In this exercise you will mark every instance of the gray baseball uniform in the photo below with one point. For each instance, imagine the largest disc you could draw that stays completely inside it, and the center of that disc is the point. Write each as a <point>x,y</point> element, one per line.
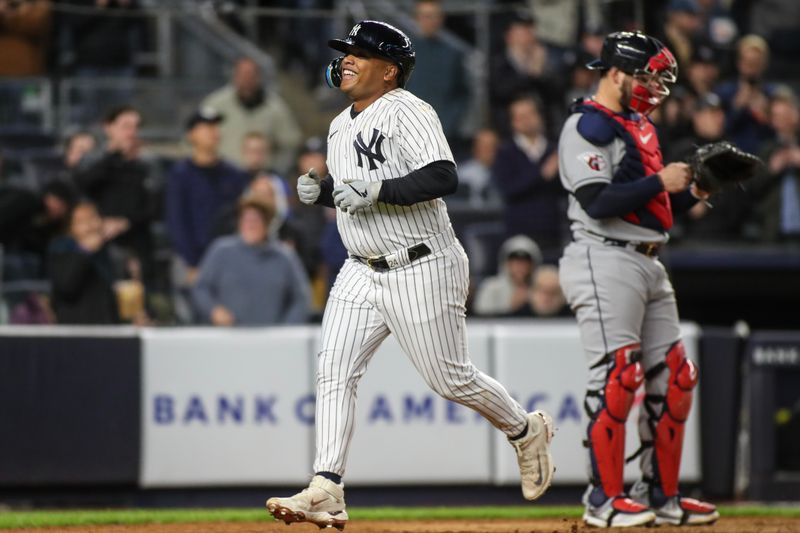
<point>621,297</point>
<point>420,300</point>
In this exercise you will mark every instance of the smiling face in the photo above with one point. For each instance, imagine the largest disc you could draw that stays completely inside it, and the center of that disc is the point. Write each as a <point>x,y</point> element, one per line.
<point>365,77</point>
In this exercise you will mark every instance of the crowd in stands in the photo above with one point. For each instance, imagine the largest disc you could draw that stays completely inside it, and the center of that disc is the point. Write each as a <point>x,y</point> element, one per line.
<point>220,237</point>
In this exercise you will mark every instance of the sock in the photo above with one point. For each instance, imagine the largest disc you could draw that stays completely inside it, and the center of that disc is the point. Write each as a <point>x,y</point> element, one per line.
<point>524,431</point>
<point>336,478</point>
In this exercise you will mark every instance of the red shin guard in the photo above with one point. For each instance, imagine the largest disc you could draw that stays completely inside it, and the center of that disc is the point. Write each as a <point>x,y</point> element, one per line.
<point>668,430</point>
<point>607,426</point>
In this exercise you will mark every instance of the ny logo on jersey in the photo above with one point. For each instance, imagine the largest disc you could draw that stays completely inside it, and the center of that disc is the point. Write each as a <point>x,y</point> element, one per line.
<point>371,151</point>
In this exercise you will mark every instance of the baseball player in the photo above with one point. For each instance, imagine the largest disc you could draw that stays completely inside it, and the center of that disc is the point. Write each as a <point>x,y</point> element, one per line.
<point>406,274</point>
<point>621,203</point>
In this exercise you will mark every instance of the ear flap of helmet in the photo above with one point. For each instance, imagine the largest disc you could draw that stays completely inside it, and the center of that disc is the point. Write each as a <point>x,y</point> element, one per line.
<point>333,74</point>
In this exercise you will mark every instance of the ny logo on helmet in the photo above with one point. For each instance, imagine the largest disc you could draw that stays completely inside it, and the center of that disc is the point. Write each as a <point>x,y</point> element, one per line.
<point>371,151</point>
<point>355,30</point>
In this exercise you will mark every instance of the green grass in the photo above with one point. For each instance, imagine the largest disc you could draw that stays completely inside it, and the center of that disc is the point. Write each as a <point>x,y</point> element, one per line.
<point>26,519</point>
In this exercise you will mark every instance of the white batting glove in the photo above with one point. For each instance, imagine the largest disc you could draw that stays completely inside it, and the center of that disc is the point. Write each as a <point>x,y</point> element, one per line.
<point>354,195</point>
<point>308,188</point>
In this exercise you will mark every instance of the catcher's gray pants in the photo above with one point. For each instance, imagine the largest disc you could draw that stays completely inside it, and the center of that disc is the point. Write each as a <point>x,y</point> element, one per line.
<point>621,297</point>
<point>422,304</point>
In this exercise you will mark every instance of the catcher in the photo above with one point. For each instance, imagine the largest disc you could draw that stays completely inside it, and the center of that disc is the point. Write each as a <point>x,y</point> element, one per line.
<point>621,204</point>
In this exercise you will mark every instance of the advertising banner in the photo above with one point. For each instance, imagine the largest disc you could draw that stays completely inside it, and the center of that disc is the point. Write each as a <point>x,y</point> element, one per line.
<point>236,407</point>
<point>226,407</point>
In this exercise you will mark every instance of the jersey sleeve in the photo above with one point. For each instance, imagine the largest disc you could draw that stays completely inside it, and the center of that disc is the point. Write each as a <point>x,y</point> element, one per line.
<point>420,136</point>
<point>582,161</point>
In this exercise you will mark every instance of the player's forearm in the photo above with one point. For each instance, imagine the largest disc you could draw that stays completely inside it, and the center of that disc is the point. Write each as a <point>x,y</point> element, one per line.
<point>682,201</point>
<point>606,200</point>
<point>431,181</point>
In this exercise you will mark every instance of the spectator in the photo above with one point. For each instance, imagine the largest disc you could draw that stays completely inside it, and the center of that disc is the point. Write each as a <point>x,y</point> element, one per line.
<point>81,271</point>
<point>547,299</point>
<point>28,221</point>
<point>525,66</point>
<point>582,80</point>
<point>256,153</point>
<point>264,187</point>
<point>717,23</point>
<point>116,180</point>
<point>76,147</point>
<point>681,29</point>
<point>708,125</point>
<point>702,75</point>
<point>24,27</point>
<point>263,184</point>
<point>249,280</point>
<point>306,222</point>
<point>256,157</point>
<point>66,165</point>
<point>726,221</point>
<point>526,174</point>
<point>248,106</point>
<point>591,42</point>
<point>778,193</point>
<point>474,175</point>
<point>439,77</point>
<point>746,99</point>
<point>508,293</point>
<point>199,191</point>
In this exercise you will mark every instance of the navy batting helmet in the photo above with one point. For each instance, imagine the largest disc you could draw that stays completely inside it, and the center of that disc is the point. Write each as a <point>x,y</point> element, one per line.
<point>379,38</point>
<point>646,59</point>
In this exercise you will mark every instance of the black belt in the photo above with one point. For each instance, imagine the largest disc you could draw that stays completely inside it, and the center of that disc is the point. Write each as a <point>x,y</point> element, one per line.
<point>650,249</point>
<point>379,264</point>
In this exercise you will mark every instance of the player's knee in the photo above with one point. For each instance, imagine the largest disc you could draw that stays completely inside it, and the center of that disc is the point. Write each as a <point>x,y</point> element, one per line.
<point>683,378</point>
<point>456,390</point>
<point>624,378</point>
<point>447,391</point>
<point>331,373</point>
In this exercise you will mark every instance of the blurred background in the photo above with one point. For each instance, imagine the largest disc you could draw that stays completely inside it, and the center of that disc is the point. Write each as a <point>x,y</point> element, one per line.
<point>136,136</point>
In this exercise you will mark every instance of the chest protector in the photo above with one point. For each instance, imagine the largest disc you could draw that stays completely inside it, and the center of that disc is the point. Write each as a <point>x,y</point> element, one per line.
<point>642,158</point>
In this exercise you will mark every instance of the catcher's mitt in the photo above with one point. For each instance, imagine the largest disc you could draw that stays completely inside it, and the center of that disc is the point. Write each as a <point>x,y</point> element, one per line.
<point>720,164</point>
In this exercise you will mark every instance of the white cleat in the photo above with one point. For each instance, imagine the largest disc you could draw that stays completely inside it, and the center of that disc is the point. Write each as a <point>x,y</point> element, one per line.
<point>322,504</point>
<point>675,510</point>
<point>618,512</point>
<point>533,455</point>
<point>685,512</point>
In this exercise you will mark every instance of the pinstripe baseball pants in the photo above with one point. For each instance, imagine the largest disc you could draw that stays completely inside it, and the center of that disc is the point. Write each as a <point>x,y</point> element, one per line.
<point>423,305</point>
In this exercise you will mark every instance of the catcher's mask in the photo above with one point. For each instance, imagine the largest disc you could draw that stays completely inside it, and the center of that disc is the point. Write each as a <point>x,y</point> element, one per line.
<point>375,37</point>
<point>651,65</point>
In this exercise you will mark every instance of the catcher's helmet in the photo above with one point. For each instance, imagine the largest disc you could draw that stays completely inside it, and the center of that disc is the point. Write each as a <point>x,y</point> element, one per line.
<point>378,38</point>
<point>646,59</point>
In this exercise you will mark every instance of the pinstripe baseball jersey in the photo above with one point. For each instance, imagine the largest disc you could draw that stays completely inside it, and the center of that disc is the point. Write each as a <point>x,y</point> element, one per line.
<point>393,136</point>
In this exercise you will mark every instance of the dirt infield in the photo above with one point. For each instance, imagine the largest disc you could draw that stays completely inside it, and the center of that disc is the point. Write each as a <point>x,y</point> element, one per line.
<point>724,525</point>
